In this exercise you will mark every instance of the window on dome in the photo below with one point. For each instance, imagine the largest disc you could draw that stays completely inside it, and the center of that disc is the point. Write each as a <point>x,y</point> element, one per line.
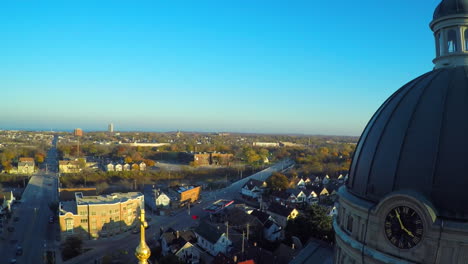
<point>451,41</point>
<point>439,44</point>
<point>465,36</point>
<point>349,225</point>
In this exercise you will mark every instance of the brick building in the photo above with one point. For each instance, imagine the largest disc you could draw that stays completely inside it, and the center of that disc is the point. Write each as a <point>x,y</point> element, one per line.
<point>78,132</point>
<point>99,216</point>
<point>180,195</point>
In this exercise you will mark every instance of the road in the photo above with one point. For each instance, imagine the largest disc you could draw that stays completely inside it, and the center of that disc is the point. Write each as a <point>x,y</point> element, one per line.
<point>32,230</point>
<point>181,220</point>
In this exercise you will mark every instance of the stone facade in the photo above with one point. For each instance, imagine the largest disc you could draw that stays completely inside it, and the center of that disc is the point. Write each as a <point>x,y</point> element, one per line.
<point>361,238</point>
<point>100,216</point>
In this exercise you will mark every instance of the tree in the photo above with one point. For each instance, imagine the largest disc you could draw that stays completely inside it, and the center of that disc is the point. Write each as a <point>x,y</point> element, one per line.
<point>277,181</point>
<point>314,222</point>
<point>128,159</point>
<point>39,157</point>
<point>72,247</point>
<point>149,162</point>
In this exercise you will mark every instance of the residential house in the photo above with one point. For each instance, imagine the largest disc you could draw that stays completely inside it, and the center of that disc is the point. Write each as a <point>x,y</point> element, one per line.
<point>69,166</point>
<point>282,213</point>
<point>135,167</point>
<point>296,197</point>
<point>8,199</point>
<point>26,165</point>
<point>126,167</point>
<point>324,194</point>
<point>253,189</point>
<point>341,179</point>
<point>142,166</point>
<point>301,184</point>
<point>312,198</point>
<point>281,197</point>
<point>181,243</point>
<point>326,180</point>
<point>118,167</point>
<point>213,240</point>
<point>241,221</point>
<point>272,231</point>
<point>161,199</point>
<point>109,167</point>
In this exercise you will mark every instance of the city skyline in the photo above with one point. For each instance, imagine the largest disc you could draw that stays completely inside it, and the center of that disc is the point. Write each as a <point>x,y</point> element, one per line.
<point>263,67</point>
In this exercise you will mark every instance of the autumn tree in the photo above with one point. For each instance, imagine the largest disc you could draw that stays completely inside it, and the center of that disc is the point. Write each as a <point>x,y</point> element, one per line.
<point>128,159</point>
<point>277,181</point>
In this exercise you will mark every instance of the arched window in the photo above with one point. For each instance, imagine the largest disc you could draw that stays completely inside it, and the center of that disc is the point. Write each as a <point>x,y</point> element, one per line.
<point>451,41</point>
<point>465,36</point>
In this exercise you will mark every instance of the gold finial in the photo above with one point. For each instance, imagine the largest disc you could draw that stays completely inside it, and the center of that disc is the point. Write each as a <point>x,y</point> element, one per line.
<point>142,252</point>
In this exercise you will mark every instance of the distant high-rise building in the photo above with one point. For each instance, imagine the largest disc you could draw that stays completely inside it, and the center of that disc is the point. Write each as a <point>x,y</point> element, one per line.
<point>78,132</point>
<point>110,128</point>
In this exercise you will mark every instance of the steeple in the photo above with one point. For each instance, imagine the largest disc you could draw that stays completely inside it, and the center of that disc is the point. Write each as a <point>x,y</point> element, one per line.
<point>450,27</point>
<point>142,252</point>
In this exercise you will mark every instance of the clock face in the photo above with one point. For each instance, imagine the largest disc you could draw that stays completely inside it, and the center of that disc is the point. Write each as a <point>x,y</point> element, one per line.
<point>403,227</point>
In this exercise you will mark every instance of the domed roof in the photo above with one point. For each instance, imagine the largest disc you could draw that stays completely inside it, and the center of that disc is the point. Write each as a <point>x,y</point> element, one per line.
<point>418,140</point>
<point>451,7</point>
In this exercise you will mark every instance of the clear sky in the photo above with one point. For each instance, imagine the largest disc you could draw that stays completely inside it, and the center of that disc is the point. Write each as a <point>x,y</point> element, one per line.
<point>312,67</point>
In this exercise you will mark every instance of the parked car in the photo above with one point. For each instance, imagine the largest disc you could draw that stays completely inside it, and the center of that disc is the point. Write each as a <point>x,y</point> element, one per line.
<point>19,251</point>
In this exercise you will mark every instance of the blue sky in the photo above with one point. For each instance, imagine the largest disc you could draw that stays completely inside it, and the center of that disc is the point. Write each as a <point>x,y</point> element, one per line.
<point>312,67</point>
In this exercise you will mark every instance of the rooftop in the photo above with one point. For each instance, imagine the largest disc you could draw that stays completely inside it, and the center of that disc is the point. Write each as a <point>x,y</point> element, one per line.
<point>106,199</point>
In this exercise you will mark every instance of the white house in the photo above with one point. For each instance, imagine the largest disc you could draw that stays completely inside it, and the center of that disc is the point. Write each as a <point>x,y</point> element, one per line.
<point>142,166</point>
<point>301,184</point>
<point>118,167</point>
<point>189,253</point>
<point>126,167</point>
<point>8,199</point>
<point>253,188</point>
<point>341,178</point>
<point>161,199</point>
<point>110,167</point>
<point>272,231</point>
<point>312,198</point>
<point>333,211</point>
<point>297,197</point>
<point>212,240</point>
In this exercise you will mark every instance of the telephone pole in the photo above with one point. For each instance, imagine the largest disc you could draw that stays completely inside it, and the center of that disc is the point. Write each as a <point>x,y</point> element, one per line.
<point>242,242</point>
<point>248,225</point>
<point>227,230</point>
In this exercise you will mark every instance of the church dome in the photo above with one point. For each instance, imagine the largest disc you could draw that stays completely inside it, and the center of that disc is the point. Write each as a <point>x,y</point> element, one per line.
<point>451,7</point>
<point>418,141</point>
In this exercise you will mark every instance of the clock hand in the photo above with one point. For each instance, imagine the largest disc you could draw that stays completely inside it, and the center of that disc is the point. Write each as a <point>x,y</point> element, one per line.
<point>399,220</point>
<point>408,232</point>
<point>402,226</point>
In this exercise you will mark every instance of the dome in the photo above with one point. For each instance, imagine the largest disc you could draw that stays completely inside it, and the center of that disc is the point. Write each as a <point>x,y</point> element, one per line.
<point>418,141</point>
<point>451,7</point>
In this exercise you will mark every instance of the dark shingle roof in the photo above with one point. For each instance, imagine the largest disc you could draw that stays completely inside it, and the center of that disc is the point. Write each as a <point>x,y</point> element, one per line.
<point>279,209</point>
<point>208,232</point>
<point>253,183</point>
